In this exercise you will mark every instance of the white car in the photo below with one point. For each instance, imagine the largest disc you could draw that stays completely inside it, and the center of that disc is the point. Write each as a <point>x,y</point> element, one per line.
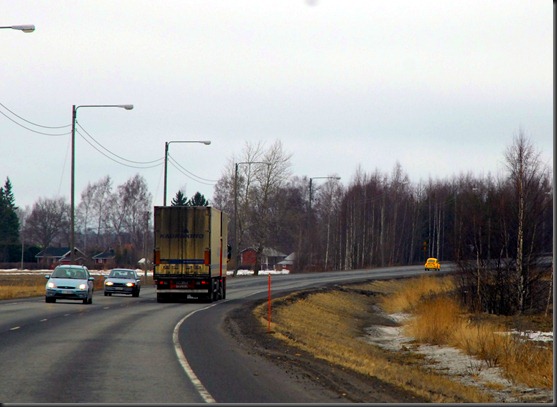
<point>70,282</point>
<point>122,281</point>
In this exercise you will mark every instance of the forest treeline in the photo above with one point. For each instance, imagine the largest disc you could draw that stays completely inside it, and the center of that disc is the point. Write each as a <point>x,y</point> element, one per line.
<point>498,230</point>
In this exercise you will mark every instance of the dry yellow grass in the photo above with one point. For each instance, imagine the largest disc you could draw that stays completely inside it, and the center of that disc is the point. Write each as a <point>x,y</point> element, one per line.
<point>23,286</point>
<point>438,319</point>
<point>329,325</point>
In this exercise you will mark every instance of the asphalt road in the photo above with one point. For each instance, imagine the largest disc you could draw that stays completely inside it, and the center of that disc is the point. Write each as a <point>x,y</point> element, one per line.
<point>122,349</point>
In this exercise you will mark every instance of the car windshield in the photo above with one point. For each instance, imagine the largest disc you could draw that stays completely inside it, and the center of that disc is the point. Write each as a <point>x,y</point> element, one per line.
<point>121,274</point>
<point>68,273</point>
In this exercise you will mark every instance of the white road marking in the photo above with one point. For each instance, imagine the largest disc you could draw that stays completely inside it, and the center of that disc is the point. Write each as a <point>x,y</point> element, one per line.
<point>184,362</point>
<point>14,328</point>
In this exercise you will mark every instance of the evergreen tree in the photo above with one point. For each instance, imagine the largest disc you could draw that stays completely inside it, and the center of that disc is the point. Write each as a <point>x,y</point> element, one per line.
<point>179,200</point>
<point>198,200</point>
<point>9,223</point>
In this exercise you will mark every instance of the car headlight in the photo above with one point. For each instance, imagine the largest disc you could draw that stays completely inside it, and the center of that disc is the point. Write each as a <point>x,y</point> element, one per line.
<point>130,284</point>
<point>109,283</point>
<point>82,286</point>
<point>50,284</point>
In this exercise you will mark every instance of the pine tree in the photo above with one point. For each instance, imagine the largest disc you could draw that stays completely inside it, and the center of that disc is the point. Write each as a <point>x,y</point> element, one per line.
<point>9,222</point>
<point>179,200</point>
<point>198,200</point>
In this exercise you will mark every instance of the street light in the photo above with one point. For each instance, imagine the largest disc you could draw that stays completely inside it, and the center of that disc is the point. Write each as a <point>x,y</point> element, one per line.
<point>27,28</point>
<point>236,237</point>
<point>72,193</point>
<point>206,142</point>
<point>310,182</point>
<point>310,217</point>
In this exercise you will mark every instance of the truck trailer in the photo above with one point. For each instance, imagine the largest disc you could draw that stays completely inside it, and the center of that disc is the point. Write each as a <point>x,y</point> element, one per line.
<point>191,252</point>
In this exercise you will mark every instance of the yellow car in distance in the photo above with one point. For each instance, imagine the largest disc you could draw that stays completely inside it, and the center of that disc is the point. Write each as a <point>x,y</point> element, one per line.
<point>432,264</point>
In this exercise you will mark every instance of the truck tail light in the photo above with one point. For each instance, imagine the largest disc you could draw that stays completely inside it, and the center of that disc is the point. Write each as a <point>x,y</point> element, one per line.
<point>157,257</point>
<point>207,257</point>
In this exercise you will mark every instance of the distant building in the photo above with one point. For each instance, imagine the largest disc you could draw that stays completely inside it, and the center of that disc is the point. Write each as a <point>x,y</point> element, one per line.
<point>53,256</point>
<point>269,258</point>
<point>287,263</point>
<point>106,259</point>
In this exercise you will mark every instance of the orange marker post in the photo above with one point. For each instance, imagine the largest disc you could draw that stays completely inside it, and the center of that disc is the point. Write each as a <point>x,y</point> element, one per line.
<point>269,305</point>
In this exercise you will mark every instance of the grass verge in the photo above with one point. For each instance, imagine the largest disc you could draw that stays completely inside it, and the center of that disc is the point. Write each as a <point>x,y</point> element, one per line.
<point>330,325</point>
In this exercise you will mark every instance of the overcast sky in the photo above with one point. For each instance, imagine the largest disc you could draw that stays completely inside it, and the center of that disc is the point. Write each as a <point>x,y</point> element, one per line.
<point>439,86</point>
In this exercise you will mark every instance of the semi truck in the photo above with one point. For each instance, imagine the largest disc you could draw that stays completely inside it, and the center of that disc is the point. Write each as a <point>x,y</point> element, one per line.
<point>191,252</point>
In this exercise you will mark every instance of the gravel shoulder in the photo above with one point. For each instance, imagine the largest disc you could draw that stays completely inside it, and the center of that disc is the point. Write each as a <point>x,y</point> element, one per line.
<point>242,325</point>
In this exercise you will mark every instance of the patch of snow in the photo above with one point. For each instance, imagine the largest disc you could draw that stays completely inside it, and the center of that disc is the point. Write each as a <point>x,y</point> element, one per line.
<point>457,364</point>
<point>243,272</point>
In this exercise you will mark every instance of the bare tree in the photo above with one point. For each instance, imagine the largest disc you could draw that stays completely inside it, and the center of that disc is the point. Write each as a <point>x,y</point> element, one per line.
<point>48,221</point>
<point>84,213</point>
<point>129,207</point>
<point>525,175</point>
<point>328,198</point>
<point>251,183</point>
<point>100,209</point>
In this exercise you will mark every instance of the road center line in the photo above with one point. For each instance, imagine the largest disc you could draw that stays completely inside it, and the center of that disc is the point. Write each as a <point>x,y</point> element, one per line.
<point>184,362</point>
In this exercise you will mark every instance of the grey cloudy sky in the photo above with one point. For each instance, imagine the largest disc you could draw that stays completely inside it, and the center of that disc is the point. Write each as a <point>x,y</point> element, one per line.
<point>439,86</point>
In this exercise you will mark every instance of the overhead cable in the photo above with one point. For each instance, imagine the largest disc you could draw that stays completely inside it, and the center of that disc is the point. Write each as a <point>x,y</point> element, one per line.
<point>35,131</point>
<point>158,162</point>
<point>30,122</point>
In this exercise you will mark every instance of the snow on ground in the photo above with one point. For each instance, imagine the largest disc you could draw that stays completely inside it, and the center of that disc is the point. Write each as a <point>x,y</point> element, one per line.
<point>141,272</point>
<point>455,363</point>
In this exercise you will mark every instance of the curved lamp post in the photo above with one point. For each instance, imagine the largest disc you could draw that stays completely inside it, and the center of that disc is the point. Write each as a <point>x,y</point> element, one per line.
<point>26,28</point>
<point>72,193</point>
<point>310,184</point>
<point>206,142</point>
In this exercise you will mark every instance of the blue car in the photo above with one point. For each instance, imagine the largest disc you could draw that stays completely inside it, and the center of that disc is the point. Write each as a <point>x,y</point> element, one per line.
<point>122,281</point>
<point>70,282</point>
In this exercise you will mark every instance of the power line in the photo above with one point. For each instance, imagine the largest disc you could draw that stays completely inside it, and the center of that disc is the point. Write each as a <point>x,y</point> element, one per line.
<point>175,165</point>
<point>30,122</point>
<point>107,153</point>
<point>190,174</point>
<point>158,160</point>
<point>121,163</point>
<point>35,131</point>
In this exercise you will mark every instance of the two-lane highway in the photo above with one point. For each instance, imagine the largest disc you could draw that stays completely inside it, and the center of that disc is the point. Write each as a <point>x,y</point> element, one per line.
<point>122,349</point>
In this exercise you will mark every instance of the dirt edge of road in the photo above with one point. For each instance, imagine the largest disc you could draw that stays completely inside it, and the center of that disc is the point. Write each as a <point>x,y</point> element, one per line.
<point>243,326</point>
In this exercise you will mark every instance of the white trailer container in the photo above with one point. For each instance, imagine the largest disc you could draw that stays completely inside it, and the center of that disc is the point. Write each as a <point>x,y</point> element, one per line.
<point>191,252</point>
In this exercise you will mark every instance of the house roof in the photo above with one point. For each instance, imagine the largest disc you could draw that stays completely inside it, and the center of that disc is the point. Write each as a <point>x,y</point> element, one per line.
<point>291,256</point>
<point>53,252</point>
<point>107,254</point>
<point>58,252</point>
<point>288,260</point>
<point>267,251</point>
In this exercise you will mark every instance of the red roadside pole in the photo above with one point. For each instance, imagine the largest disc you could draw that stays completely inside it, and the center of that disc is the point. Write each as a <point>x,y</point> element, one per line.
<point>269,304</point>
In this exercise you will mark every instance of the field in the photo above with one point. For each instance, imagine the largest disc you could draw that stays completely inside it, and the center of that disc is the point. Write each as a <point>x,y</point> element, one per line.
<point>32,284</point>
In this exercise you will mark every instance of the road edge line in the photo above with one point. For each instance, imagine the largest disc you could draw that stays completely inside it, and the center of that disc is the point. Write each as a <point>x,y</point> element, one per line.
<point>205,395</point>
